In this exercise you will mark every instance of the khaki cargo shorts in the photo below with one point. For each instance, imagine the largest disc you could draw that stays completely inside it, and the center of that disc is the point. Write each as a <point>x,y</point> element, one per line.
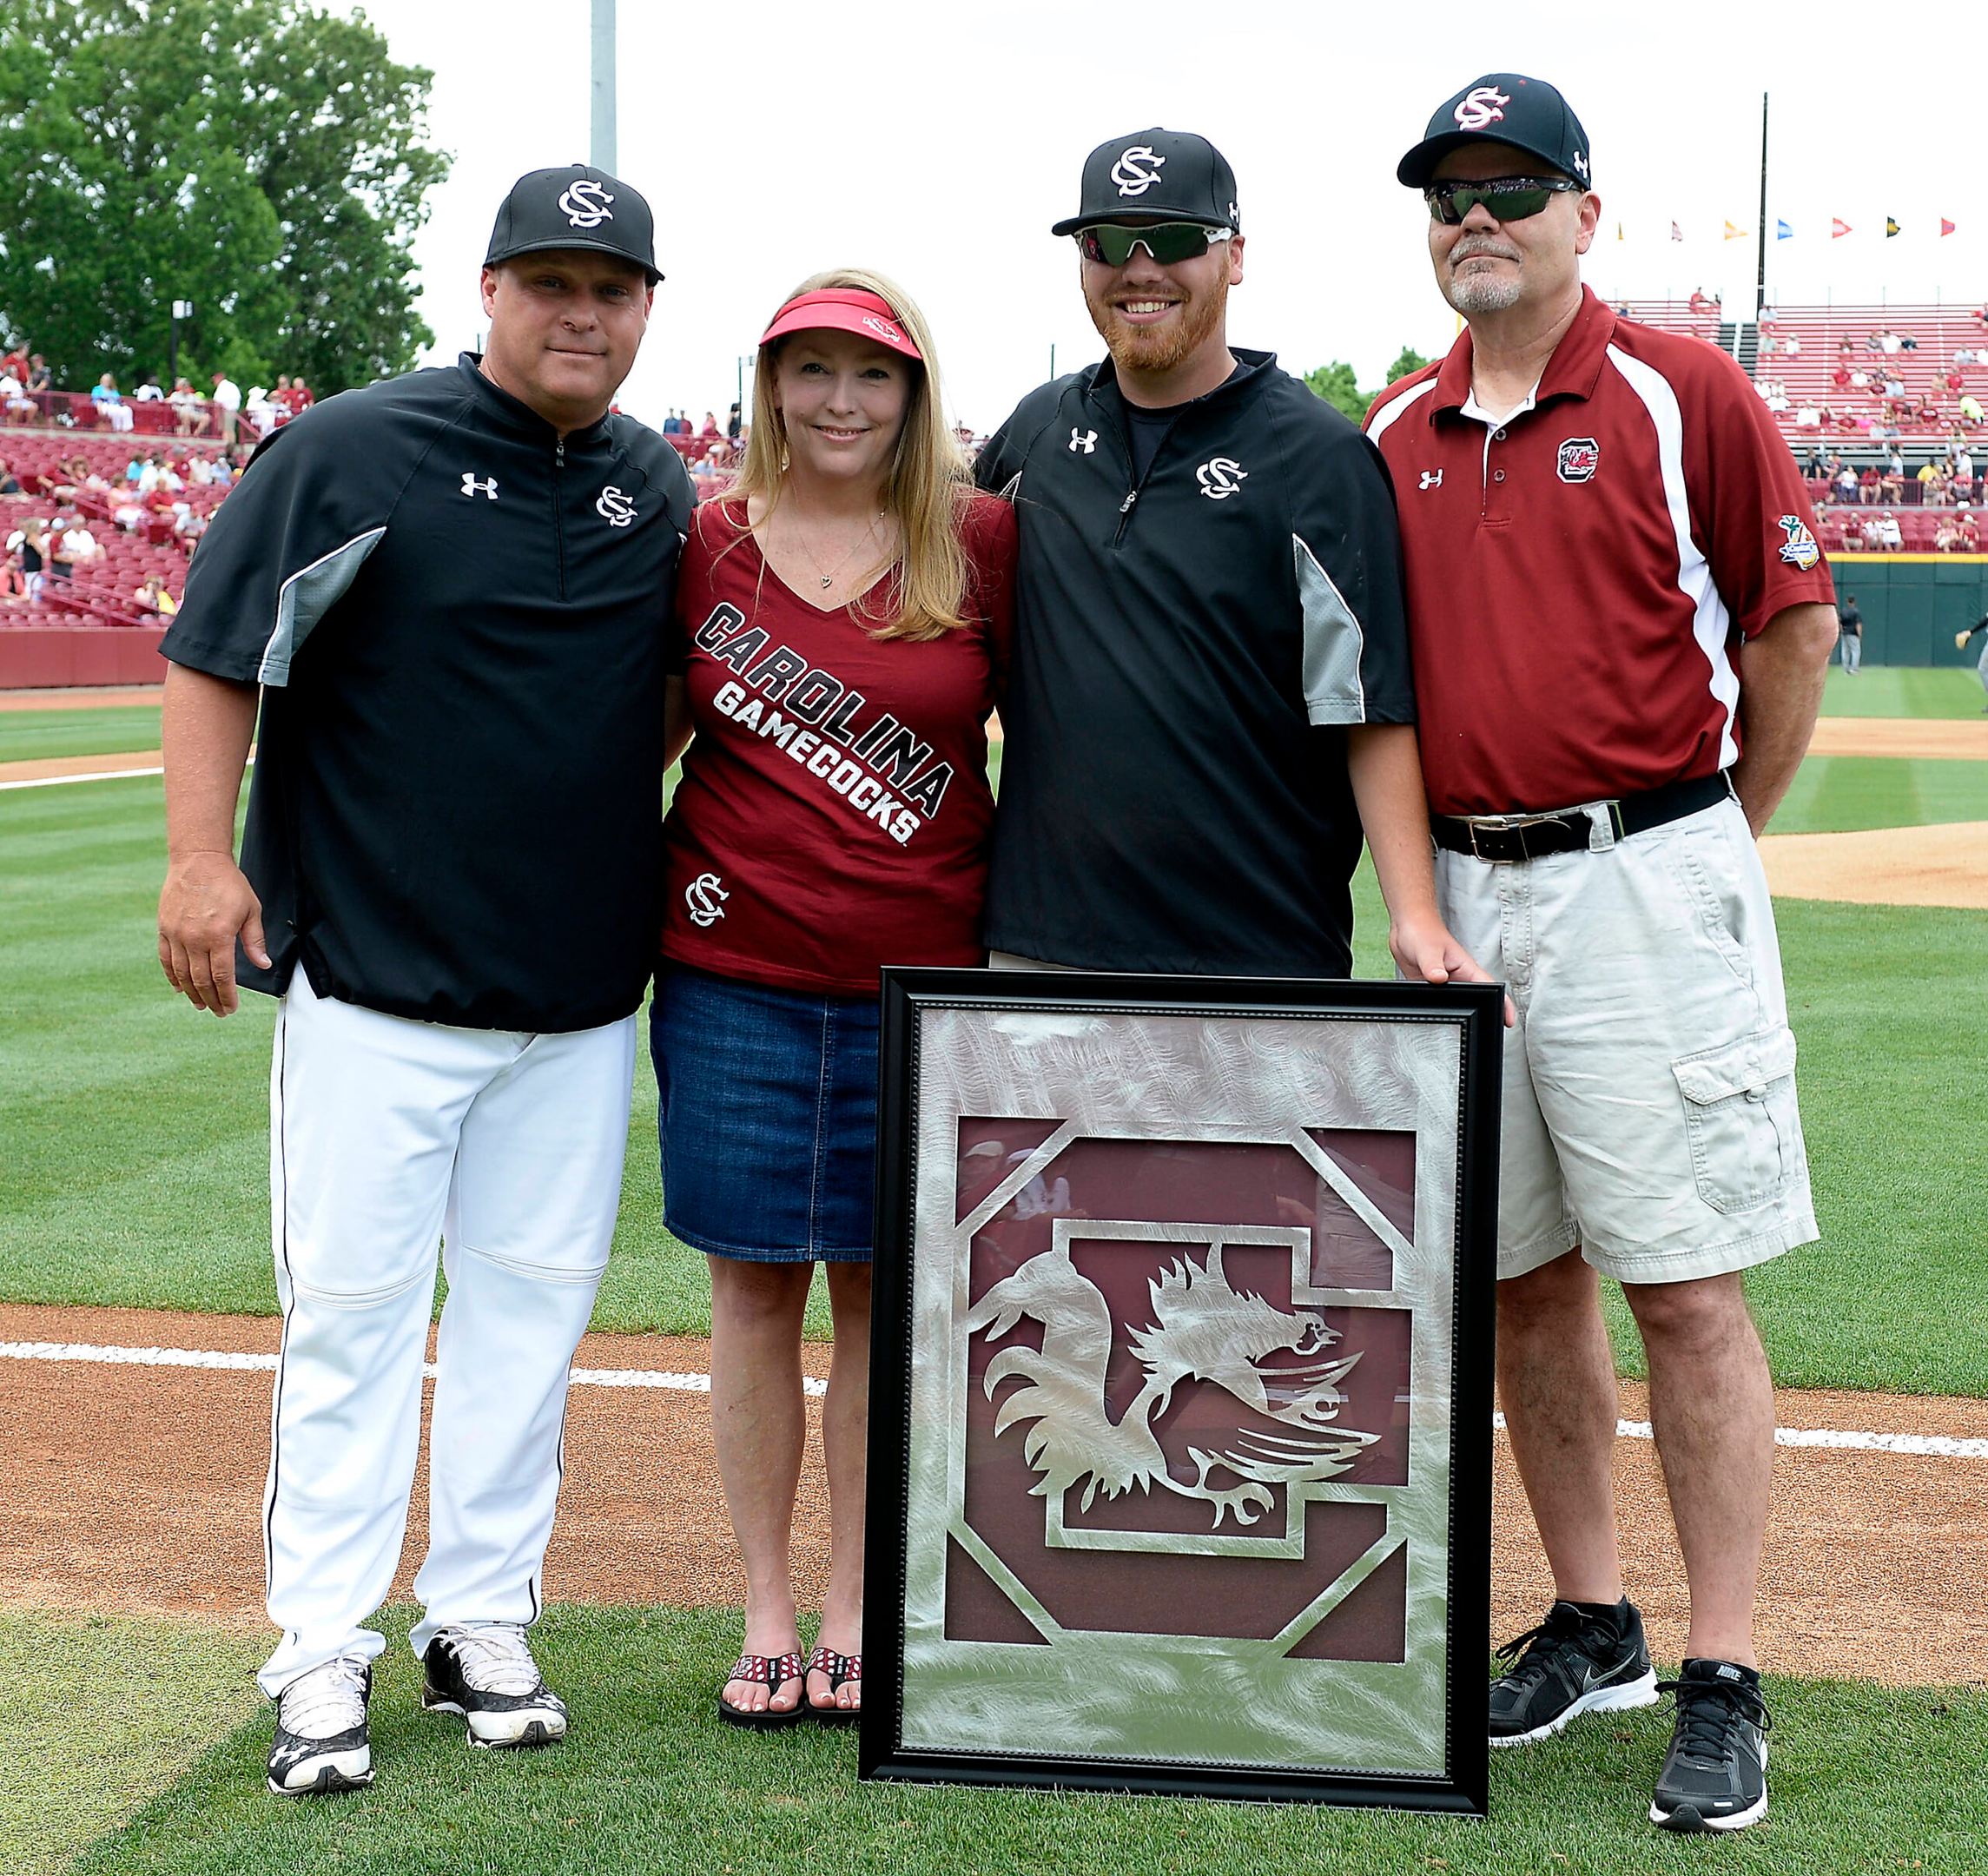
<point>1649,1101</point>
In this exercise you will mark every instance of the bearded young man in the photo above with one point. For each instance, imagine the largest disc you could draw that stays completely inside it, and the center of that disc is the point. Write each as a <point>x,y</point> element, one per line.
<point>1210,699</point>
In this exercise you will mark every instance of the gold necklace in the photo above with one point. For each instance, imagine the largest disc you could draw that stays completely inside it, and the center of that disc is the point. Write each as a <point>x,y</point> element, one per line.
<point>828,578</point>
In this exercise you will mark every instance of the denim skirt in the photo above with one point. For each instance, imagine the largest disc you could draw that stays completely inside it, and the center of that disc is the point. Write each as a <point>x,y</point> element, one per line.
<point>767,1118</point>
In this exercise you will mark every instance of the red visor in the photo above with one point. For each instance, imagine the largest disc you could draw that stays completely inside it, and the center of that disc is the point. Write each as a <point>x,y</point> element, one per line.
<point>843,310</point>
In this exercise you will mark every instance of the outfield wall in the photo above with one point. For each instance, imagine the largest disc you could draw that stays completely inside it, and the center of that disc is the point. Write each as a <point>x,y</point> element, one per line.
<point>42,658</point>
<point>1913,604</point>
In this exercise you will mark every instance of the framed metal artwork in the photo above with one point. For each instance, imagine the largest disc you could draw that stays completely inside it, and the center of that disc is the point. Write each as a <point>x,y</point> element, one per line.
<point>1180,1400</point>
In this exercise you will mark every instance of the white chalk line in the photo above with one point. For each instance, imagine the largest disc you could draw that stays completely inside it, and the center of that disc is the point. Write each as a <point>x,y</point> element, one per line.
<point>1925,1445</point>
<point>179,1357</point>
<point>99,774</point>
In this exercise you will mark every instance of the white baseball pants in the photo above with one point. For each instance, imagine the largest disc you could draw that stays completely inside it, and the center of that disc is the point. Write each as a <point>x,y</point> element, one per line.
<point>386,1135</point>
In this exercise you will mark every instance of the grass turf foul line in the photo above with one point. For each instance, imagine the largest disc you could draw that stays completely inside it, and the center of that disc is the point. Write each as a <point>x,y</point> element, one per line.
<point>57,781</point>
<point>177,1357</point>
<point>1927,1445</point>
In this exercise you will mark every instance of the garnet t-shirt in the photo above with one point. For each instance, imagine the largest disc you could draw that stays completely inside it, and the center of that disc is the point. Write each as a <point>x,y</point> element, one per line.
<point>834,811</point>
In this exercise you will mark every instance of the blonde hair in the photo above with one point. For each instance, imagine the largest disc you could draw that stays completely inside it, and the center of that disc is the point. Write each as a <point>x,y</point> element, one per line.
<point>927,486</point>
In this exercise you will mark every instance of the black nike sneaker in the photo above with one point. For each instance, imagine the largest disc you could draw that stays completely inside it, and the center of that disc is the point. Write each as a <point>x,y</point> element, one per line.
<point>322,1745</point>
<point>1714,1776</point>
<point>1574,1662</point>
<point>485,1672</point>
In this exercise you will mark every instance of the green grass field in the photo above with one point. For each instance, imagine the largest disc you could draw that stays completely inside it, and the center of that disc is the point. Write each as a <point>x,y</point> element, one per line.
<point>650,1781</point>
<point>37,736</point>
<point>135,1172</point>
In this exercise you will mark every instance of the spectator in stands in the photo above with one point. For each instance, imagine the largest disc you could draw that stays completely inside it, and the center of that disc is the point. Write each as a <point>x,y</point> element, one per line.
<point>1875,342</point>
<point>1932,486</point>
<point>227,401</point>
<point>1970,407</point>
<point>1892,482</point>
<point>21,408</point>
<point>1956,379</point>
<point>1888,340</point>
<point>1867,484</point>
<point>1846,483</point>
<point>301,396</point>
<point>258,415</point>
<point>1946,536</point>
<point>672,425</point>
<point>9,484</point>
<point>41,380</point>
<point>1894,385</point>
<point>1841,377</point>
<point>30,543</point>
<point>190,408</point>
<point>711,428</point>
<point>148,391</point>
<point>1808,417</point>
<point>109,405</point>
<point>1814,469</point>
<point>280,411</point>
<point>1929,406</point>
<point>128,510</point>
<point>1970,540</point>
<point>1906,342</point>
<point>1963,473</point>
<point>1791,345</point>
<point>735,424</point>
<point>1777,396</point>
<point>153,597</point>
<point>80,547</point>
<point>15,364</point>
<point>1890,537</point>
<point>13,582</point>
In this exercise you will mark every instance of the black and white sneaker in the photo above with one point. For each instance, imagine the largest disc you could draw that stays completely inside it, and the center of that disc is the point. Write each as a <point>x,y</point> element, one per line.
<point>1576,1662</point>
<point>1714,1776</point>
<point>321,1740</point>
<point>485,1672</point>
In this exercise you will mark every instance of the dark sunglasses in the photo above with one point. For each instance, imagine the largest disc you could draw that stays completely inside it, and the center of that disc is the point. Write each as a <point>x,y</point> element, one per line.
<point>1503,198</point>
<point>1166,241</point>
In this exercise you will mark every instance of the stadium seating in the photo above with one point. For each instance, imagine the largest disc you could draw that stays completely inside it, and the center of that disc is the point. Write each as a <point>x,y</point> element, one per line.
<point>1857,413</point>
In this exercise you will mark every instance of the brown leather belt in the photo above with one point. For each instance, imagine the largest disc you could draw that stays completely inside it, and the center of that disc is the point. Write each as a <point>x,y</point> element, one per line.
<point>1512,837</point>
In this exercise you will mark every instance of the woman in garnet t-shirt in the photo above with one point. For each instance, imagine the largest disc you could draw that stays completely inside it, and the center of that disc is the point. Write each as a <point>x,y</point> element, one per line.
<point>842,621</point>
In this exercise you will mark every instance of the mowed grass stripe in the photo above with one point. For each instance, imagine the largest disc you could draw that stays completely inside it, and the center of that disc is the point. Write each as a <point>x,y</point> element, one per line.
<point>39,735</point>
<point>1848,794</point>
<point>650,1780</point>
<point>1903,691</point>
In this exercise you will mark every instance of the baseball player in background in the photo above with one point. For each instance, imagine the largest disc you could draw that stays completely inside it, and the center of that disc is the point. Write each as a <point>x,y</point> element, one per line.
<point>1960,640</point>
<point>1616,675</point>
<point>450,592</point>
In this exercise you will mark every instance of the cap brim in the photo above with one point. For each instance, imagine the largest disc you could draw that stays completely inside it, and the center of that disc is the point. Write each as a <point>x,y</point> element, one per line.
<point>565,243</point>
<point>819,317</point>
<point>1131,218</point>
<point>1418,168</point>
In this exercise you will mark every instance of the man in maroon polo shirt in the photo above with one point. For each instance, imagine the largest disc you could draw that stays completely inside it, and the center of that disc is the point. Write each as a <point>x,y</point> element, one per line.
<point>1620,620</point>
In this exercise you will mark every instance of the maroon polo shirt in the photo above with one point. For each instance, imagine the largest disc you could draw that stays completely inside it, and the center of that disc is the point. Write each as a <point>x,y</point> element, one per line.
<point>1580,577</point>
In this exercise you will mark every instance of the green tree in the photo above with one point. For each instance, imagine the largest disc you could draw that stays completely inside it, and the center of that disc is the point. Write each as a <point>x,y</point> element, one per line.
<point>1340,388</point>
<point>1409,360</point>
<point>262,160</point>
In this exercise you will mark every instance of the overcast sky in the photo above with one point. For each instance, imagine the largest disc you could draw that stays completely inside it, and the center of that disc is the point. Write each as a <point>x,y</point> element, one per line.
<point>937,142</point>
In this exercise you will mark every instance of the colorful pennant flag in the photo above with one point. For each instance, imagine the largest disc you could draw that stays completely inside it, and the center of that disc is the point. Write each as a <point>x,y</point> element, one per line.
<point>1890,228</point>
<point>1946,226</point>
<point>1783,231</point>
<point>1734,234</point>
<point>1676,232</point>
<point>1838,228</point>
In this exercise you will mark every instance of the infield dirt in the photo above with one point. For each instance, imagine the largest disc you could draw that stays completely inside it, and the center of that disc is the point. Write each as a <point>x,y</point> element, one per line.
<point>139,1489</point>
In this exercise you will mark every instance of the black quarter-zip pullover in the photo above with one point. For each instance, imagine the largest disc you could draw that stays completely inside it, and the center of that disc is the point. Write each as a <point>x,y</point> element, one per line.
<point>1191,644</point>
<point>460,621</point>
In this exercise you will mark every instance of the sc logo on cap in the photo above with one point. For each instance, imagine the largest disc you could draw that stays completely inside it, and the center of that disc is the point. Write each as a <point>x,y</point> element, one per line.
<point>1483,105</point>
<point>585,204</point>
<point>1137,170</point>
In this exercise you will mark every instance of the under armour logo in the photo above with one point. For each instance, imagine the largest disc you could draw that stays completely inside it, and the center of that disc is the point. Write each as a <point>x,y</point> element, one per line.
<point>702,895</point>
<point>1481,106</point>
<point>1431,478</point>
<point>585,205</point>
<point>1137,170</point>
<point>1086,440</point>
<point>614,507</point>
<point>1220,477</point>
<point>470,485</point>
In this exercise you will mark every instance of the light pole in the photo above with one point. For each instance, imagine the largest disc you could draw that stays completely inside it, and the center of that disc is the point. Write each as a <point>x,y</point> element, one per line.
<point>601,151</point>
<point>181,309</point>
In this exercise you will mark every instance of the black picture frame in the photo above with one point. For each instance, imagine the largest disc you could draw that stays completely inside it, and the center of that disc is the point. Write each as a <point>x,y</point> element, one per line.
<point>1239,1008</point>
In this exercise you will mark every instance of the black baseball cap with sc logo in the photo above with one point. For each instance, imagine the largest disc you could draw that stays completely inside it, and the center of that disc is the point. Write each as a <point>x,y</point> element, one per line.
<point>1156,175</point>
<point>1502,107</point>
<point>576,207</point>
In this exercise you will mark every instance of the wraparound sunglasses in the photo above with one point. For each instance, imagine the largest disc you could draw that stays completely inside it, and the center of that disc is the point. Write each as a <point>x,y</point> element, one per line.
<point>1166,241</point>
<point>1503,198</point>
